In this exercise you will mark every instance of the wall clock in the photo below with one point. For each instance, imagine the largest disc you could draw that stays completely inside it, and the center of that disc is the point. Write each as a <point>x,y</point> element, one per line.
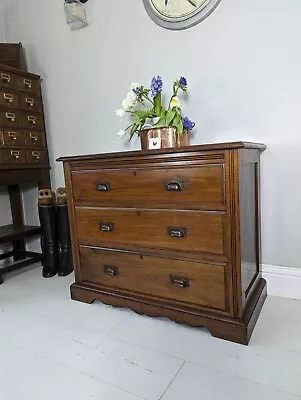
<point>179,14</point>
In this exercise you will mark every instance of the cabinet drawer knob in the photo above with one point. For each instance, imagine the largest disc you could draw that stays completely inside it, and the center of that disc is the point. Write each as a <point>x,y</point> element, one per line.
<point>27,83</point>
<point>179,281</point>
<point>5,77</point>
<point>176,232</point>
<point>33,136</point>
<point>36,154</point>
<point>15,154</point>
<point>8,97</point>
<point>106,227</point>
<point>173,186</point>
<point>29,101</point>
<point>111,270</point>
<point>12,135</point>
<point>103,187</point>
<point>10,116</point>
<point>31,119</point>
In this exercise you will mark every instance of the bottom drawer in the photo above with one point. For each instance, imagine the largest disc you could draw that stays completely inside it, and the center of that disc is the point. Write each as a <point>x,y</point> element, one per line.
<point>188,282</point>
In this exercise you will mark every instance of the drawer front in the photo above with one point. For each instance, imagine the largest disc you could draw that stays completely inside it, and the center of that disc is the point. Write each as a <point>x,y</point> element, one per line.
<point>201,184</point>
<point>12,138</point>
<point>188,282</point>
<point>9,99</point>
<point>33,121</point>
<point>8,80</point>
<point>174,230</point>
<point>29,85</point>
<point>36,156</point>
<point>34,139</point>
<point>12,156</point>
<point>30,102</point>
<point>11,118</point>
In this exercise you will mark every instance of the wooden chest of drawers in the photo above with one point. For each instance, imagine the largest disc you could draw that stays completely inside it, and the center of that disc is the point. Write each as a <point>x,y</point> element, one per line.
<point>172,233</point>
<point>22,129</point>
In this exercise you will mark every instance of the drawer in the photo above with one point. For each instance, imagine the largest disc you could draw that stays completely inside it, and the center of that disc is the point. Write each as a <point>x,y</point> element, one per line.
<point>29,85</point>
<point>9,99</point>
<point>35,139</point>
<point>12,138</point>
<point>33,121</point>
<point>12,156</point>
<point>164,229</point>
<point>29,102</point>
<point>34,156</point>
<point>194,283</point>
<point>200,184</point>
<point>8,80</point>
<point>11,118</point>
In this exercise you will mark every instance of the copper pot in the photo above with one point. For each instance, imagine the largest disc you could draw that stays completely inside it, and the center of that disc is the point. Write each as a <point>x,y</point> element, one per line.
<point>163,138</point>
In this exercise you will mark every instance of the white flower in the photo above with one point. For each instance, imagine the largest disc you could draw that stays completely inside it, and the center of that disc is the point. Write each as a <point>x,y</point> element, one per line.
<point>175,102</point>
<point>135,86</point>
<point>129,102</point>
<point>121,133</point>
<point>120,113</point>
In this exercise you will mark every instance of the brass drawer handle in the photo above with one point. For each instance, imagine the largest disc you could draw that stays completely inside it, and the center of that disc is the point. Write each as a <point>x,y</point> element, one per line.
<point>111,270</point>
<point>12,135</point>
<point>15,154</point>
<point>10,116</point>
<point>173,186</point>
<point>106,227</point>
<point>176,232</point>
<point>31,119</point>
<point>33,136</point>
<point>36,154</point>
<point>103,187</point>
<point>27,83</point>
<point>5,77</point>
<point>179,281</point>
<point>29,101</point>
<point>8,97</point>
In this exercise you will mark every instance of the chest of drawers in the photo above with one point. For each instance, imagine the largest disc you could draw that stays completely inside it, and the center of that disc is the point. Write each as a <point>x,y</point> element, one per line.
<point>172,233</point>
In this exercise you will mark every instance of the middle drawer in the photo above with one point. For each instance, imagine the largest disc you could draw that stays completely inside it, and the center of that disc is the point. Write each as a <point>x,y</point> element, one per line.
<point>161,229</point>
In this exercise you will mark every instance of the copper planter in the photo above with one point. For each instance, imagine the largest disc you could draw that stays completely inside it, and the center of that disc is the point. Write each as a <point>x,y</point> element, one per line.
<point>163,138</point>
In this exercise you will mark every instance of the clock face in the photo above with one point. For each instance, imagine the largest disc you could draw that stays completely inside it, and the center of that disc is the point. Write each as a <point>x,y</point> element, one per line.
<point>179,14</point>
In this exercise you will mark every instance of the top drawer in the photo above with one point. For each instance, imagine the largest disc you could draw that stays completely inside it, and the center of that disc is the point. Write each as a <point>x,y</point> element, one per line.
<point>8,80</point>
<point>189,185</point>
<point>29,85</point>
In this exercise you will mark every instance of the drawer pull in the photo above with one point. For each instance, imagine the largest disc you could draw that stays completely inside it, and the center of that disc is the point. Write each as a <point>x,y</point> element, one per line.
<point>103,187</point>
<point>111,270</point>
<point>36,154</point>
<point>27,83</point>
<point>5,77</point>
<point>12,135</point>
<point>105,227</point>
<point>29,101</point>
<point>176,232</point>
<point>15,154</point>
<point>33,136</point>
<point>173,186</point>
<point>179,281</point>
<point>10,116</point>
<point>8,97</point>
<point>31,119</point>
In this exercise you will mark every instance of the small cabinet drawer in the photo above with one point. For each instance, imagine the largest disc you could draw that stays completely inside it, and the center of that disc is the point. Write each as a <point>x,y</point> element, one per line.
<point>9,99</point>
<point>8,80</point>
<point>29,102</point>
<point>172,230</point>
<point>190,185</point>
<point>12,138</point>
<point>11,118</point>
<point>36,156</point>
<point>193,283</point>
<point>12,156</point>
<point>33,121</point>
<point>34,139</point>
<point>29,85</point>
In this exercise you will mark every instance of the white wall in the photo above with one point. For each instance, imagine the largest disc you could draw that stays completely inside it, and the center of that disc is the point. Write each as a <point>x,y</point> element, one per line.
<point>243,65</point>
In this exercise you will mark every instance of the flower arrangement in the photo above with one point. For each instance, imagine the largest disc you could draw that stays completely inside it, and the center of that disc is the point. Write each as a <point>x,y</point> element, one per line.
<point>145,107</point>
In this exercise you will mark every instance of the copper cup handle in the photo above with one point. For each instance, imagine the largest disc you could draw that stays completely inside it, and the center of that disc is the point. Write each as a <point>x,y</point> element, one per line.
<point>179,281</point>
<point>173,186</point>
<point>110,270</point>
<point>103,187</point>
<point>106,227</point>
<point>177,232</point>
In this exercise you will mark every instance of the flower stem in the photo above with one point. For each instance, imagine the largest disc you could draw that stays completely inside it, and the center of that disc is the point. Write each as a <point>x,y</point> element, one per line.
<point>157,104</point>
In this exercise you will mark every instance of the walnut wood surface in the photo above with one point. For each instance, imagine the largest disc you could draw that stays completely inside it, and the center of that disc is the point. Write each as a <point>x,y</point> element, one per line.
<point>121,234</point>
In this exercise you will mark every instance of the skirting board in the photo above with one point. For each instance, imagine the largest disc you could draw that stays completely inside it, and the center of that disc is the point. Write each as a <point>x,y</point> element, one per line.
<point>282,281</point>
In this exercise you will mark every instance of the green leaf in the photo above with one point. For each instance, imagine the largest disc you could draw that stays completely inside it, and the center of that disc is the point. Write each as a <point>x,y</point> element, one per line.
<point>177,122</point>
<point>136,119</point>
<point>133,130</point>
<point>170,116</point>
